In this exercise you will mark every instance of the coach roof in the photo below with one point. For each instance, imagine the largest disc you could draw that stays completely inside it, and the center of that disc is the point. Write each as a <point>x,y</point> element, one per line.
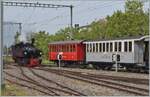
<point>67,42</point>
<point>135,38</point>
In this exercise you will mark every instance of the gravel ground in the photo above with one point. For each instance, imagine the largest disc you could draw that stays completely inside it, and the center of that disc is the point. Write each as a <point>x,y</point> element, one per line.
<point>83,87</point>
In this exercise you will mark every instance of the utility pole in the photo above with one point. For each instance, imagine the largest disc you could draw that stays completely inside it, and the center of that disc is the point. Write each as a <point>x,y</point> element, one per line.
<point>1,48</point>
<point>71,15</point>
<point>71,22</point>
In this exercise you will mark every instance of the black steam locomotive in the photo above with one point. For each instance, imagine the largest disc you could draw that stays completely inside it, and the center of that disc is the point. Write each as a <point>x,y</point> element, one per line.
<point>26,54</point>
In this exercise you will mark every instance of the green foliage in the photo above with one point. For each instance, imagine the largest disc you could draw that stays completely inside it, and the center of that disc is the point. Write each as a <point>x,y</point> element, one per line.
<point>133,6</point>
<point>131,23</point>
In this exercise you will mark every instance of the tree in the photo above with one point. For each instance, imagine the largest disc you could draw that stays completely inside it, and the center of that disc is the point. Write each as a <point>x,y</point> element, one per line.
<point>41,41</point>
<point>134,6</point>
<point>132,22</point>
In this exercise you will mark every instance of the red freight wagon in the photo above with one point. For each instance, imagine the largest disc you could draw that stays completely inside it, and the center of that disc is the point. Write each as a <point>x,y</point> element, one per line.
<point>71,51</point>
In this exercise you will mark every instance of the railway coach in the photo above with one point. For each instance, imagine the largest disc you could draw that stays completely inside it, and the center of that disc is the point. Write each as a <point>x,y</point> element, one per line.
<point>133,52</point>
<point>69,52</point>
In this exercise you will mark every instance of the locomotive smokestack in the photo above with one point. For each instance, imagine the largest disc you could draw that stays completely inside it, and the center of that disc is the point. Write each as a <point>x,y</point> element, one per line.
<point>32,41</point>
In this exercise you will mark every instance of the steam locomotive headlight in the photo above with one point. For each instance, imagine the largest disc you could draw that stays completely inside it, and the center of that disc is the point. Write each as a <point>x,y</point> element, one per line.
<point>40,53</point>
<point>25,53</point>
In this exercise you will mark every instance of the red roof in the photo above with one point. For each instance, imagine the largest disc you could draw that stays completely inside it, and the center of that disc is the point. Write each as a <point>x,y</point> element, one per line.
<point>67,42</point>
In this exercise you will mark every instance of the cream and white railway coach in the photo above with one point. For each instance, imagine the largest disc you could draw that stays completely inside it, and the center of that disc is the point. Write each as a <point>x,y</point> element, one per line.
<point>133,51</point>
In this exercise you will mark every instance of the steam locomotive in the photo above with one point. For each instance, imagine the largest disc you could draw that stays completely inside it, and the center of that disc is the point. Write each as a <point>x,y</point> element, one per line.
<point>26,54</point>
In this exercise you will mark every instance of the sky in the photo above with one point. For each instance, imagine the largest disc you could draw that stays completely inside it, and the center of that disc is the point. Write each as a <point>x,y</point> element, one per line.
<point>52,19</point>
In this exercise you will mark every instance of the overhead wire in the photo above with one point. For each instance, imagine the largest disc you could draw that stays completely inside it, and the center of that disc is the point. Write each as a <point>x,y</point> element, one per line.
<point>48,21</point>
<point>56,17</point>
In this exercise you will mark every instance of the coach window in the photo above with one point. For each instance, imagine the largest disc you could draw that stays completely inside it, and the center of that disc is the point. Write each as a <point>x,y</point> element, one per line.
<point>52,48</point>
<point>64,48</point>
<point>107,47</point>
<point>130,46</point>
<point>49,48</point>
<point>87,47</point>
<point>67,47</point>
<point>70,47</point>
<point>115,46</point>
<point>125,46</point>
<point>103,47</point>
<point>73,47</point>
<point>93,47</point>
<point>61,48</point>
<point>90,47</point>
<point>111,47</point>
<point>56,48</point>
<point>100,47</point>
<point>119,46</point>
<point>96,47</point>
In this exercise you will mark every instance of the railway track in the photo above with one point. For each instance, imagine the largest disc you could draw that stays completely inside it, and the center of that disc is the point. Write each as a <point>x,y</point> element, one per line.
<point>101,80</point>
<point>116,78</point>
<point>29,82</point>
<point>96,81</point>
<point>67,90</point>
<point>62,86</point>
<point>23,85</point>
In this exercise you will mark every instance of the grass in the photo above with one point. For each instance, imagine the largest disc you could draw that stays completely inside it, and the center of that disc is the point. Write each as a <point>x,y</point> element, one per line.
<point>47,62</point>
<point>13,90</point>
<point>7,59</point>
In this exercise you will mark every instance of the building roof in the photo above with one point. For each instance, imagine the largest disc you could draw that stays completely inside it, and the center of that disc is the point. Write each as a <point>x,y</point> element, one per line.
<point>67,42</point>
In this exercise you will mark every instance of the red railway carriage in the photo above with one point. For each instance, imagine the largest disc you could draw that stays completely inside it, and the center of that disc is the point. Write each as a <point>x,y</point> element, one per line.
<point>71,51</point>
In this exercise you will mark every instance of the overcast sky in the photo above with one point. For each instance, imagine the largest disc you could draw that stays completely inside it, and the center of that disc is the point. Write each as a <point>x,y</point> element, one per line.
<point>52,19</point>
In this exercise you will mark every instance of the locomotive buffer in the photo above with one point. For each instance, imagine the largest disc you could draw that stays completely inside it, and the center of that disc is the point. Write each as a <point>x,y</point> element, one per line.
<point>116,59</point>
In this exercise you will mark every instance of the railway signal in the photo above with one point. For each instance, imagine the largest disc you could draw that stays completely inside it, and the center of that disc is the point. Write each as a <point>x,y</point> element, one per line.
<point>59,58</point>
<point>116,59</point>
